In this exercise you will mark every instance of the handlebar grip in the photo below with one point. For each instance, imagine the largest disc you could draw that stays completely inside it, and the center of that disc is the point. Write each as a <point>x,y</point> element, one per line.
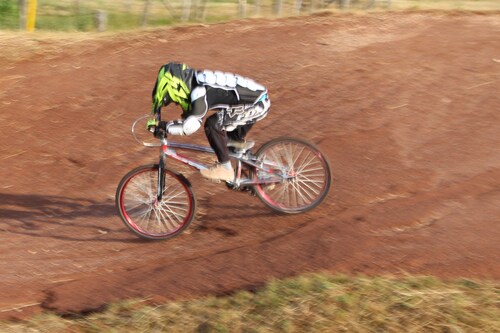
<point>160,130</point>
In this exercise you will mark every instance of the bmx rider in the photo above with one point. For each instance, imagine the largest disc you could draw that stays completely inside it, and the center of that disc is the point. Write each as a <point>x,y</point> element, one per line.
<point>239,102</point>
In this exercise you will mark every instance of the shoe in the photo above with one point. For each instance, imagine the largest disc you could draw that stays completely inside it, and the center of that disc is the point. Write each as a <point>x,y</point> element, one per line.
<point>240,145</point>
<point>218,172</point>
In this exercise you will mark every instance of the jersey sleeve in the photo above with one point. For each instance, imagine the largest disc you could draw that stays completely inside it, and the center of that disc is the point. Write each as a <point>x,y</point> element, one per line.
<point>193,117</point>
<point>199,105</point>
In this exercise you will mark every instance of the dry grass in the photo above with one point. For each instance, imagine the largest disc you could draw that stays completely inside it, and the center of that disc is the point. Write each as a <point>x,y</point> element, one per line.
<point>63,15</point>
<point>473,5</point>
<point>312,303</point>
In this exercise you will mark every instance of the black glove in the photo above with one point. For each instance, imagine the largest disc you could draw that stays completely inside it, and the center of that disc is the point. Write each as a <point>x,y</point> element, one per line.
<point>160,130</point>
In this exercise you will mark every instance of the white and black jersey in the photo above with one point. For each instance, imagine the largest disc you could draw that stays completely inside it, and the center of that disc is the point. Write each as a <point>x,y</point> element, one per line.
<point>238,100</point>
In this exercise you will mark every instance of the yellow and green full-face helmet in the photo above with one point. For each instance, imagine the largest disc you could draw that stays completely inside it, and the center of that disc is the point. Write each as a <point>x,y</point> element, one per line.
<point>174,84</point>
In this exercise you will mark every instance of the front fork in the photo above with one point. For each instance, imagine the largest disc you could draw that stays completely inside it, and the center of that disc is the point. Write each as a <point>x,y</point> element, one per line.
<point>161,165</point>
<point>161,176</point>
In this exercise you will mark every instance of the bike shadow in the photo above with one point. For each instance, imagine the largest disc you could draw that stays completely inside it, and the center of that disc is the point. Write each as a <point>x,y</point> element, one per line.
<point>240,211</point>
<point>230,219</point>
<point>59,217</point>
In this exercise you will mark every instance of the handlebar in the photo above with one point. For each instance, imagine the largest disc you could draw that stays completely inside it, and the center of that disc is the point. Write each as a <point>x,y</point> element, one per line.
<point>160,132</point>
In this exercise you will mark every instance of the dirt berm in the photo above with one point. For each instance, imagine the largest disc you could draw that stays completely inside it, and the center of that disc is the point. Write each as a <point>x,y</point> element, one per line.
<point>405,106</point>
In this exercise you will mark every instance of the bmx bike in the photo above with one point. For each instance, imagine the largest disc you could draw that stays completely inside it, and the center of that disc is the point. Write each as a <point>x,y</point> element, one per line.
<point>287,174</point>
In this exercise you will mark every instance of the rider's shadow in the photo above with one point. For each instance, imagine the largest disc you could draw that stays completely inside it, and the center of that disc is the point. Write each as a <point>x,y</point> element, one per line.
<point>229,218</point>
<point>241,211</point>
<point>56,217</point>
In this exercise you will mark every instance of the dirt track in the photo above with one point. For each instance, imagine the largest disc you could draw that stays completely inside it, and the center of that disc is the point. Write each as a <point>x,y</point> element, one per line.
<point>404,105</point>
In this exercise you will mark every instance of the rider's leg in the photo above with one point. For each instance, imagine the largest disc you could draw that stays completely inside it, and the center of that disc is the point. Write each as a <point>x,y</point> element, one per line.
<point>240,132</point>
<point>237,137</point>
<point>217,138</point>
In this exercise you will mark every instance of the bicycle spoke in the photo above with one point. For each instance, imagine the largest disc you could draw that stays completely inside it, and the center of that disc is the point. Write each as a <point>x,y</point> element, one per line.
<point>172,196</point>
<point>276,158</point>
<point>133,204</point>
<point>168,215</point>
<point>145,185</point>
<point>171,215</point>
<point>157,218</point>
<point>166,205</point>
<point>307,190</point>
<point>166,220</point>
<point>298,155</point>
<point>147,216</point>
<point>305,163</point>
<point>282,191</point>
<point>139,210</point>
<point>306,182</point>
<point>138,193</point>
<point>296,192</point>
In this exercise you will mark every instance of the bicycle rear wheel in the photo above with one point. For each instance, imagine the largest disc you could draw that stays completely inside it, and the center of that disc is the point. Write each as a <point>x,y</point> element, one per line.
<point>140,210</point>
<point>306,175</point>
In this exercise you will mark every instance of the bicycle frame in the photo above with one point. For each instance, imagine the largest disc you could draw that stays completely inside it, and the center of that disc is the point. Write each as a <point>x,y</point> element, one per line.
<point>275,172</point>
<point>242,158</point>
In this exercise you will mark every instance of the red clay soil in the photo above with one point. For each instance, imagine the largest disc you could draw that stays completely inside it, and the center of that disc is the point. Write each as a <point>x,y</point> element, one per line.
<point>405,106</point>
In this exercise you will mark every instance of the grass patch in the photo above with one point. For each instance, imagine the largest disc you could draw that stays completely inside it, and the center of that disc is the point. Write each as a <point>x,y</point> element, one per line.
<point>8,14</point>
<point>66,15</point>
<point>475,5</point>
<point>310,303</point>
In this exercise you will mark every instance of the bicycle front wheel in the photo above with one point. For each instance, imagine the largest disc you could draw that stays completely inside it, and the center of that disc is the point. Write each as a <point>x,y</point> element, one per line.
<point>142,213</point>
<point>305,175</point>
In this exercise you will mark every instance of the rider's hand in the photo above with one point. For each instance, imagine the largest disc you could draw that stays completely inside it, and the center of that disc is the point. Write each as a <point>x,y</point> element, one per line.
<point>160,130</point>
<point>151,125</point>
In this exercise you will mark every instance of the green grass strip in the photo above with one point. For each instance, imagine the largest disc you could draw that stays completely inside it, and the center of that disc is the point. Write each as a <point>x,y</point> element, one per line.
<point>309,303</point>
